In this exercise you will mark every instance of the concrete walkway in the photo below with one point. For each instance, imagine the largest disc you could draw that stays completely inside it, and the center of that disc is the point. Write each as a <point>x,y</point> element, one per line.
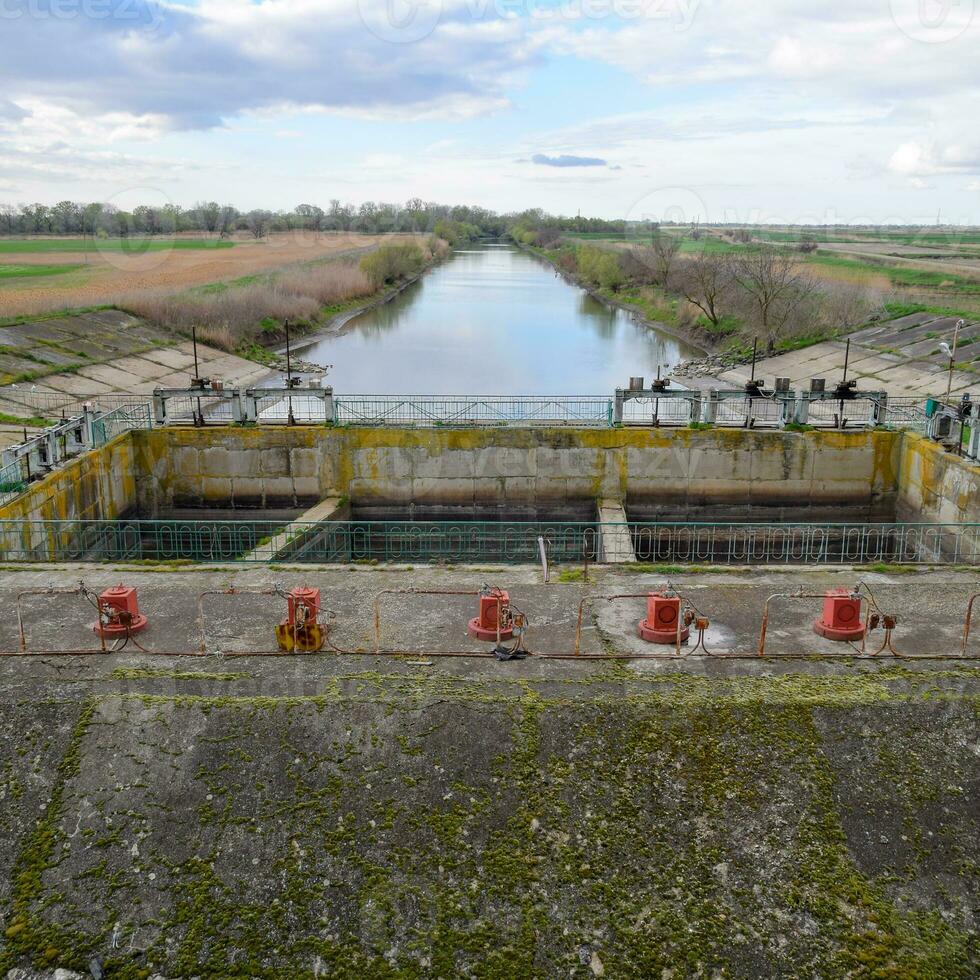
<point>136,374</point>
<point>901,357</point>
<point>413,622</point>
<point>293,534</point>
<point>617,543</point>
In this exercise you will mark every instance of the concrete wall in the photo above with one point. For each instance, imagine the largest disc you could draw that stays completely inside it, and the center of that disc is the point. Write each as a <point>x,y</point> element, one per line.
<point>936,485</point>
<point>665,472</point>
<point>101,485</point>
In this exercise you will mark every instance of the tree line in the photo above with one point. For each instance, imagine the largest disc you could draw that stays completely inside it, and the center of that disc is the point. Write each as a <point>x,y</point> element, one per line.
<point>454,223</point>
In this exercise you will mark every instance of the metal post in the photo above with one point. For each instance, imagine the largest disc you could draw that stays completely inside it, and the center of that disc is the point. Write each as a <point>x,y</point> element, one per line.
<point>290,419</point>
<point>787,409</point>
<point>197,373</point>
<point>973,446</point>
<point>879,408</point>
<point>802,408</point>
<point>952,358</point>
<point>329,409</point>
<point>620,397</point>
<point>88,435</point>
<point>695,403</point>
<point>159,408</point>
<point>238,406</point>
<point>711,407</point>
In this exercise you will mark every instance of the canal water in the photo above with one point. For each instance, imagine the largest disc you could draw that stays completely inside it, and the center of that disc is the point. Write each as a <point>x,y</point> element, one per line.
<point>492,320</point>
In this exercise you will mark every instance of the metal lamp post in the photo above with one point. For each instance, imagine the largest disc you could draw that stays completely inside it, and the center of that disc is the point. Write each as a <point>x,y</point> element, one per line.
<point>952,357</point>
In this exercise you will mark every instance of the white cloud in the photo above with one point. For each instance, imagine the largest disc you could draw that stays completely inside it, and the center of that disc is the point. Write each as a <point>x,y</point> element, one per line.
<point>194,67</point>
<point>915,159</point>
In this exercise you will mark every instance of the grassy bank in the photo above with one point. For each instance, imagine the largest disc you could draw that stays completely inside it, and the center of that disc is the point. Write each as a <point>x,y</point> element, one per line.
<point>247,314</point>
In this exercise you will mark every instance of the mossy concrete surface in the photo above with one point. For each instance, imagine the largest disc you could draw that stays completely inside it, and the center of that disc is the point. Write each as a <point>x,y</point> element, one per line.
<point>422,817</point>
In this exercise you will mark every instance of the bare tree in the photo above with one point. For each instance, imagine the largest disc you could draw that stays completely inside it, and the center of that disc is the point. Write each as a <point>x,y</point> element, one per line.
<point>8,215</point>
<point>775,286</point>
<point>706,282</point>
<point>258,222</point>
<point>664,249</point>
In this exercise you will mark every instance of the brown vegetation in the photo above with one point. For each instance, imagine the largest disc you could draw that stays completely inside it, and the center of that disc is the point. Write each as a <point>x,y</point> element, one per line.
<point>231,315</point>
<point>227,317</point>
<point>107,276</point>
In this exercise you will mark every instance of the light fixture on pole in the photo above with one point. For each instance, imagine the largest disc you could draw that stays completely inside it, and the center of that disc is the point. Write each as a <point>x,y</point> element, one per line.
<point>950,352</point>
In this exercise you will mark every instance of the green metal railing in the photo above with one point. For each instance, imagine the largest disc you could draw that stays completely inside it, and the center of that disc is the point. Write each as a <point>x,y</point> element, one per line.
<point>410,542</point>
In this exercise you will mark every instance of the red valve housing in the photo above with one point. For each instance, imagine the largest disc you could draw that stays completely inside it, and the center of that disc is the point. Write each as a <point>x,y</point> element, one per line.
<point>302,604</point>
<point>494,606</point>
<point>300,631</point>
<point>841,618</point>
<point>119,613</point>
<point>663,613</point>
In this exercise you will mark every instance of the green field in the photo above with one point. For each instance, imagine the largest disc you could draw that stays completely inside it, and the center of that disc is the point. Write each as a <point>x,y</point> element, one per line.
<point>33,271</point>
<point>840,235</point>
<point>135,246</point>
<point>906,278</point>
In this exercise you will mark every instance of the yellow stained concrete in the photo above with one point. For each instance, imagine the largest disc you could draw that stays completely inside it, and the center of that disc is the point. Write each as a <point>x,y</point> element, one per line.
<point>601,462</point>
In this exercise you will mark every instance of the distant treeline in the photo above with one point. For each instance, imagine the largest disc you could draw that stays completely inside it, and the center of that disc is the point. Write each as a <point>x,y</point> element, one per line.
<point>455,224</point>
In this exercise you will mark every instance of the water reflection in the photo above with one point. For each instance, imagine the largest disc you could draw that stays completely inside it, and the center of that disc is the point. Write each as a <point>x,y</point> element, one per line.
<point>492,320</point>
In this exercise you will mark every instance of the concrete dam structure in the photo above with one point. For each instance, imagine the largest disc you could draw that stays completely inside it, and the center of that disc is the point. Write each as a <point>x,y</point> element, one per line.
<point>191,800</point>
<point>390,494</point>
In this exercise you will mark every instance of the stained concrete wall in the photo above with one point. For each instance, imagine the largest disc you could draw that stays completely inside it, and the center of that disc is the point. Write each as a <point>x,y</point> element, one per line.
<point>936,485</point>
<point>677,472</point>
<point>659,473</point>
<point>100,485</point>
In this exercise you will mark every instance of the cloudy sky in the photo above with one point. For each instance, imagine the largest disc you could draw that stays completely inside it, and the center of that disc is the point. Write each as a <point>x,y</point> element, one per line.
<point>784,110</point>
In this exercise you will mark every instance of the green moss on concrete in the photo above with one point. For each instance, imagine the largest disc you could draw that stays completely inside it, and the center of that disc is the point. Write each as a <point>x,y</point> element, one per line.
<point>390,825</point>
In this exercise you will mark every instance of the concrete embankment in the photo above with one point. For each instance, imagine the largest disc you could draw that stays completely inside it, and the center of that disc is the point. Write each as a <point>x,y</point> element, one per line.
<point>354,817</point>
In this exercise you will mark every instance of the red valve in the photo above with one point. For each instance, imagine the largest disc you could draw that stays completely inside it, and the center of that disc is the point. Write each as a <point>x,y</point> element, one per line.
<point>302,605</point>
<point>841,619</point>
<point>300,630</point>
<point>663,612</point>
<point>119,613</point>
<point>494,606</point>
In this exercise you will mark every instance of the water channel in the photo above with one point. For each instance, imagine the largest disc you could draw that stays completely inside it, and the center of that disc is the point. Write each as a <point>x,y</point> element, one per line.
<point>492,320</point>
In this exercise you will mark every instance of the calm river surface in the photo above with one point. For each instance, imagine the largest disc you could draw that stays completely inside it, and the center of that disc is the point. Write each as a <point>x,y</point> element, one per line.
<point>492,320</point>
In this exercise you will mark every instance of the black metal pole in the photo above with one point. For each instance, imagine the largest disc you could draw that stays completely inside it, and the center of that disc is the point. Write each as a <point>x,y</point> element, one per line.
<point>290,418</point>
<point>847,358</point>
<point>198,415</point>
<point>748,413</point>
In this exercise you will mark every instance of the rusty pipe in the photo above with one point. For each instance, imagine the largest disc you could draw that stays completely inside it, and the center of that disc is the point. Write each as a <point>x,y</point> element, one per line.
<point>969,619</point>
<point>636,595</point>
<point>275,590</point>
<point>800,594</point>
<point>384,592</point>
<point>52,590</point>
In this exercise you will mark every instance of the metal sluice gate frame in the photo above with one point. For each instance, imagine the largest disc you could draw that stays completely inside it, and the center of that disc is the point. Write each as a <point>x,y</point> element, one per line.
<point>877,618</point>
<point>411,542</point>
